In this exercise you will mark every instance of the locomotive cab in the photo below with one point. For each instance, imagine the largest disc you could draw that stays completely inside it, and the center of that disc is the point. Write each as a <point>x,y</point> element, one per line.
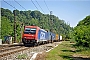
<point>30,33</point>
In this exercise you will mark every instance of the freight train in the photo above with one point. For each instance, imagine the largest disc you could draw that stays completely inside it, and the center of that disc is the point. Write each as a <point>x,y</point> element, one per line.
<point>34,35</point>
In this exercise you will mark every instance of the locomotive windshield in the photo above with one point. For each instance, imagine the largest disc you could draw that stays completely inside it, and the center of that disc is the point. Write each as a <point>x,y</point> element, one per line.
<point>30,31</point>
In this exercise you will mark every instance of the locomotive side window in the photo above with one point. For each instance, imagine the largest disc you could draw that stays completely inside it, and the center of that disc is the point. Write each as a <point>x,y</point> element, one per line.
<point>30,31</point>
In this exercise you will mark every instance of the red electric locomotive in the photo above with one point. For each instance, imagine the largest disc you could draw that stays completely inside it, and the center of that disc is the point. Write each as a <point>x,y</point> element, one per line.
<point>34,35</point>
<point>30,34</point>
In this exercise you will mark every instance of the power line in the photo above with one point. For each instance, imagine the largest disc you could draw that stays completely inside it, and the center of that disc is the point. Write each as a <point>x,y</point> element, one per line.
<point>39,6</point>
<point>19,4</point>
<point>9,4</point>
<point>34,4</point>
<point>46,5</point>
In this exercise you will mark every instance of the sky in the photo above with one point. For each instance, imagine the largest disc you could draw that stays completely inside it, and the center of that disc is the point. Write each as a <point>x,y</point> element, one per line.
<point>71,11</point>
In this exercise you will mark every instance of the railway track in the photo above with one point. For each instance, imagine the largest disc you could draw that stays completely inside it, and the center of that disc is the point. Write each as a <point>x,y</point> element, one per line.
<point>12,52</point>
<point>7,50</point>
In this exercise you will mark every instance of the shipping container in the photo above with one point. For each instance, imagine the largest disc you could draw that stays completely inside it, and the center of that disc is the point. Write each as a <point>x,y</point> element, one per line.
<point>53,36</point>
<point>42,35</point>
<point>57,37</point>
<point>60,37</point>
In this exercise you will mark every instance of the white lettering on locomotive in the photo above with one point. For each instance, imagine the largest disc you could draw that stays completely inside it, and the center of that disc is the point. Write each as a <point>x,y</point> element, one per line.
<point>42,35</point>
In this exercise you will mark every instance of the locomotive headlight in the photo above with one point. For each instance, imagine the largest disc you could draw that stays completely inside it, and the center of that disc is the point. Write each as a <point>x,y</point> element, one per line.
<point>24,37</point>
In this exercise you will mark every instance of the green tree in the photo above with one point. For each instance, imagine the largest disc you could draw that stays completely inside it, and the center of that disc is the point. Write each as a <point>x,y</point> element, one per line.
<point>6,27</point>
<point>82,32</point>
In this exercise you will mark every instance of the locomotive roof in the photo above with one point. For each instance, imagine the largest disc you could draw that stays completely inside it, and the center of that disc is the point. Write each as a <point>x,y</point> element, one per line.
<point>32,27</point>
<point>35,27</point>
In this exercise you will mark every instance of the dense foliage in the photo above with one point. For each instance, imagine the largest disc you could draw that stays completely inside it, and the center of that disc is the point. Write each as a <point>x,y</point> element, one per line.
<point>31,17</point>
<point>82,32</point>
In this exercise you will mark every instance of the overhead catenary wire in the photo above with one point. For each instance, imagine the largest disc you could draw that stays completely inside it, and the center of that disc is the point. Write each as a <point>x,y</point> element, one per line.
<point>34,4</point>
<point>19,4</point>
<point>9,4</point>
<point>39,6</point>
<point>46,5</point>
